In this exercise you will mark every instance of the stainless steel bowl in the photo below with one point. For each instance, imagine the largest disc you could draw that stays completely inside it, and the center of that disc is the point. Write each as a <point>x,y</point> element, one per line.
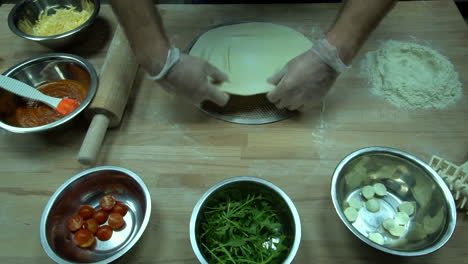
<point>31,9</point>
<point>88,187</point>
<point>407,179</point>
<point>239,187</point>
<point>51,67</point>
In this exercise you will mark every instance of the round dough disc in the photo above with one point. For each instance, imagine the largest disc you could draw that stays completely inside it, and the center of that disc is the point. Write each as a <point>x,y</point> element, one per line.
<point>373,205</point>
<point>351,214</point>
<point>377,238</point>
<point>401,218</point>
<point>380,189</point>
<point>389,224</point>
<point>368,192</point>
<point>250,53</point>
<point>397,231</point>
<point>406,207</point>
<point>355,203</point>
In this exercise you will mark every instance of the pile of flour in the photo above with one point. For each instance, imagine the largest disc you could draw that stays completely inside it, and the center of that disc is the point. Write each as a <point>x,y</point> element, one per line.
<point>412,76</point>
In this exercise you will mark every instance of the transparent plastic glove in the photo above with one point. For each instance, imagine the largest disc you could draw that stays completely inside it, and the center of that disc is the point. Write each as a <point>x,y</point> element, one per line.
<point>306,79</point>
<point>196,80</point>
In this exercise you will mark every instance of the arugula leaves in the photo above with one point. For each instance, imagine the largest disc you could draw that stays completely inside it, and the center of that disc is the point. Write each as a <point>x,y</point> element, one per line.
<point>242,231</point>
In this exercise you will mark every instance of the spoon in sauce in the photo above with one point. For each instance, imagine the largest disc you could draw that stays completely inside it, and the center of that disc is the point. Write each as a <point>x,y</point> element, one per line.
<point>63,106</point>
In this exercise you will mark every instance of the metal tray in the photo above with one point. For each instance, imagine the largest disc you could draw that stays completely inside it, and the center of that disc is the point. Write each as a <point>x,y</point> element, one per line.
<point>249,110</point>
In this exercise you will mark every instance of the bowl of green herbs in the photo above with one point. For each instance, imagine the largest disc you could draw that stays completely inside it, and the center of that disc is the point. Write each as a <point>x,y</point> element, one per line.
<point>245,220</point>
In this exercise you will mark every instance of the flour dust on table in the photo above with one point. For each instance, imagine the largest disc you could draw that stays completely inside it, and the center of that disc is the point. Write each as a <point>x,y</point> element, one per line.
<point>412,76</point>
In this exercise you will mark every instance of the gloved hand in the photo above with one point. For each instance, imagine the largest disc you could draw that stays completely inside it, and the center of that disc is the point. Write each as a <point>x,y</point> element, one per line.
<point>196,80</point>
<point>307,78</point>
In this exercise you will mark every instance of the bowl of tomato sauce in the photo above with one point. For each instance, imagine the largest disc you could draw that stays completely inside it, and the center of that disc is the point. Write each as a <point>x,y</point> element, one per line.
<point>96,216</point>
<point>59,75</point>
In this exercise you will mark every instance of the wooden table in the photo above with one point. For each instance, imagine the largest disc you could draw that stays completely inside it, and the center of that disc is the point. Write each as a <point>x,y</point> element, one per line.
<point>181,152</point>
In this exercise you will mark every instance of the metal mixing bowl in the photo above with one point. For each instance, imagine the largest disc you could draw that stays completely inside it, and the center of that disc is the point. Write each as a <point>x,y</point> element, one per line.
<point>407,179</point>
<point>238,187</point>
<point>88,187</point>
<point>31,9</point>
<point>51,67</point>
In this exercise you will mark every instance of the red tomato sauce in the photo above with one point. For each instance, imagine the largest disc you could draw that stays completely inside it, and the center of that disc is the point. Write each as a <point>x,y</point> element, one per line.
<point>33,114</point>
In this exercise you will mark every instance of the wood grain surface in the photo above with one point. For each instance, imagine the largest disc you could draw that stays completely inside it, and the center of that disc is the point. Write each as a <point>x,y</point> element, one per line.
<point>108,105</point>
<point>180,152</point>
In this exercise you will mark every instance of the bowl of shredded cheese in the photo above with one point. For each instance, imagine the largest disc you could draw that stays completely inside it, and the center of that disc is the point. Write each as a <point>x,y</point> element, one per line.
<point>53,23</point>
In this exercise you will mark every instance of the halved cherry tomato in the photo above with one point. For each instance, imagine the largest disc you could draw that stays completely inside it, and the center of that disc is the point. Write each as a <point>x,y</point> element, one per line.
<point>92,225</point>
<point>120,208</point>
<point>100,216</point>
<point>116,221</point>
<point>107,202</point>
<point>84,238</point>
<point>75,222</point>
<point>86,211</point>
<point>104,233</point>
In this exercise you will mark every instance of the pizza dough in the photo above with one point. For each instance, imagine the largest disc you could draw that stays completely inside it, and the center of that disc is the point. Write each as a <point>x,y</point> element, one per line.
<point>368,192</point>
<point>250,53</point>
<point>355,203</point>
<point>389,224</point>
<point>402,218</point>
<point>377,238</point>
<point>373,205</point>
<point>406,207</point>
<point>397,231</point>
<point>380,189</point>
<point>351,214</point>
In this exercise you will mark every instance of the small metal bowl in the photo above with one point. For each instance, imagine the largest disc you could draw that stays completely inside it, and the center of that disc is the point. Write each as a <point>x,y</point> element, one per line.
<point>238,187</point>
<point>30,10</point>
<point>407,179</point>
<point>51,67</point>
<point>88,187</point>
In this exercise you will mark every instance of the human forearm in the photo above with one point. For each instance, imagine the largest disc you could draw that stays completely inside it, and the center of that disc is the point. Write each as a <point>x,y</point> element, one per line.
<point>357,20</point>
<point>143,26</point>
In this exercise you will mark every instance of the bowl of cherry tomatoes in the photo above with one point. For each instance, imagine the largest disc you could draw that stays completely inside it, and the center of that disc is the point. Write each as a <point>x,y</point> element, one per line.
<point>96,216</point>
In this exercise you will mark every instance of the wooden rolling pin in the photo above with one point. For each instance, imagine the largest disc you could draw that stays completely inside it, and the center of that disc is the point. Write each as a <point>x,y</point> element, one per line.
<point>107,107</point>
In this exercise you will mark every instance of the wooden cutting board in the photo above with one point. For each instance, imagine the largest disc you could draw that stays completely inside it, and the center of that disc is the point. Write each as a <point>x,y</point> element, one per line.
<point>180,152</point>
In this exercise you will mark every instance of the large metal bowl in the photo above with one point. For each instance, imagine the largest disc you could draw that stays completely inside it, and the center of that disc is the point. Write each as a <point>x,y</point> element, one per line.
<point>88,187</point>
<point>31,9</point>
<point>239,187</point>
<point>407,179</point>
<point>51,67</point>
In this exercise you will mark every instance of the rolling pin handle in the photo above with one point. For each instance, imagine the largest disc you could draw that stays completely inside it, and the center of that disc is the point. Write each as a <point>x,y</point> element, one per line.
<point>93,139</point>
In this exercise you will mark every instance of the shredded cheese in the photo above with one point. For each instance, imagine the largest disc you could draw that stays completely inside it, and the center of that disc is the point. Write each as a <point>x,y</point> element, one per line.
<point>61,21</point>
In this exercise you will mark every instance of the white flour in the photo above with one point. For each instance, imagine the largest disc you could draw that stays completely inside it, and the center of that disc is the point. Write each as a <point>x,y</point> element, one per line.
<point>412,76</point>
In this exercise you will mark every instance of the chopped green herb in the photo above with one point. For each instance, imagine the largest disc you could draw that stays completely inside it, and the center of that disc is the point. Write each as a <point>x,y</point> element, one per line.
<point>242,231</point>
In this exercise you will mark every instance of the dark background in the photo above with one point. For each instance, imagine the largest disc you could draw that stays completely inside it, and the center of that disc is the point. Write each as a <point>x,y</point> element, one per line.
<point>461,4</point>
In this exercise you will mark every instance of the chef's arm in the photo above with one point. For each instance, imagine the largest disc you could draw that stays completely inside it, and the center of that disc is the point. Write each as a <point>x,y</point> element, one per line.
<point>144,29</point>
<point>307,78</point>
<point>181,74</point>
<point>356,21</point>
